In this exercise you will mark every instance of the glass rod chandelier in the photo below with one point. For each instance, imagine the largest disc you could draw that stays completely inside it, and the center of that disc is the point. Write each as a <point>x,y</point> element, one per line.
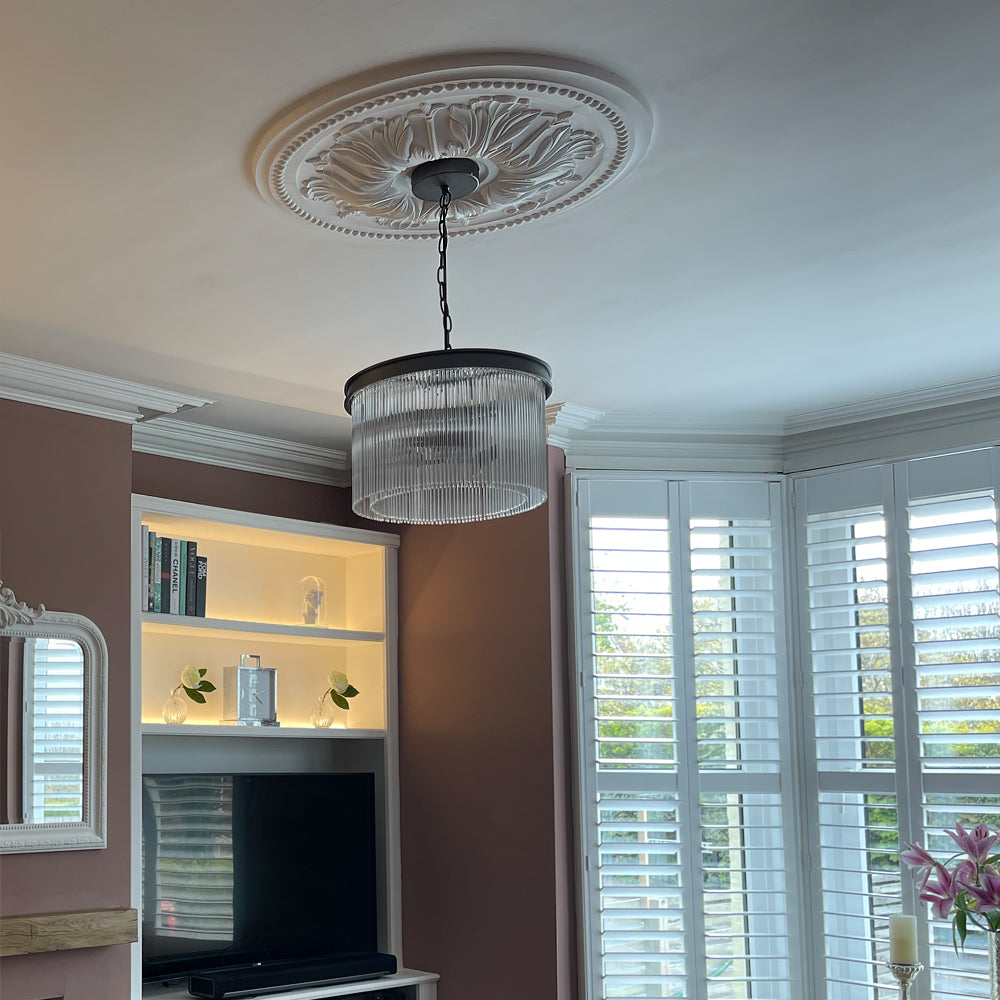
<point>448,436</point>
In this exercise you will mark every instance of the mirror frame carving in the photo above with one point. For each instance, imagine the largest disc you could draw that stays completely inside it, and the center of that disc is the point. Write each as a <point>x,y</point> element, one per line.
<point>17,619</point>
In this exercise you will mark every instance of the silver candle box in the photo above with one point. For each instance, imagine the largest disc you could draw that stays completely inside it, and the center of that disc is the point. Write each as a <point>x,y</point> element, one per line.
<point>250,694</point>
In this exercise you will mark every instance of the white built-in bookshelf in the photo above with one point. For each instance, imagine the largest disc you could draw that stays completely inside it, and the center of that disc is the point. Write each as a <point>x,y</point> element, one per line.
<point>254,605</point>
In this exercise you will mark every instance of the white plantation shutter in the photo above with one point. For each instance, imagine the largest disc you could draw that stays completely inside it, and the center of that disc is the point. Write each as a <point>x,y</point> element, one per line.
<point>683,728</point>
<point>693,819</point>
<point>902,631</point>
<point>955,651</point>
<point>53,759</point>
<point>856,826</point>
<point>956,628</point>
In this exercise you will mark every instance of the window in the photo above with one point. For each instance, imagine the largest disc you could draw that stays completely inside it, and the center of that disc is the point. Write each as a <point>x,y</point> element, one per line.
<point>743,806</point>
<point>684,732</point>
<point>903,641</point>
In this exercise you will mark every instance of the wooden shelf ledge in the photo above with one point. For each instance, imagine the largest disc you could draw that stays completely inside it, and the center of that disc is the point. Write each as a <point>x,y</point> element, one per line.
<point>43,932</point>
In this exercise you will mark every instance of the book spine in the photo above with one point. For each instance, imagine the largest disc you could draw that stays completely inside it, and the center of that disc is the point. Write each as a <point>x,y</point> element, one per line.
<point>175,574</point>
<point>182,578</point>
<point>151,565</point>
<point>191,593</point>
<point>199,606</point>
<point>165,575</point>
<point>156,571</point>
<point>144,572</point>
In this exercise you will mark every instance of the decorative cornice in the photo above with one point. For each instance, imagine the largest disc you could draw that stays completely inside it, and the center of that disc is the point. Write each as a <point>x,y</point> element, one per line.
<point>563,419</point>
<point>890,426</point>
<point>61,388</point>
<point>904,424</point>
<point>667,453</point>
<point>544,137</point>
<point>893,404</point>
<point>949,426</point>
<point>239,450</point>
<point>629,441</point>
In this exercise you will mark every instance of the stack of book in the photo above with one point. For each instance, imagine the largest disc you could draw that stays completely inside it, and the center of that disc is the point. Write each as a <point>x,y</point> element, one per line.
<point>174,575</point>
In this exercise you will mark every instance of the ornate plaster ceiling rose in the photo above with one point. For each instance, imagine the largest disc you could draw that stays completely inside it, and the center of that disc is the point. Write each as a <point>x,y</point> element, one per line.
<point>545,137</point>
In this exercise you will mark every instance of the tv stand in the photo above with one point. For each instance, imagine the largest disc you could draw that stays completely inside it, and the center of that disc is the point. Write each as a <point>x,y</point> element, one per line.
<point>256,565</point>
<point>414,986</point>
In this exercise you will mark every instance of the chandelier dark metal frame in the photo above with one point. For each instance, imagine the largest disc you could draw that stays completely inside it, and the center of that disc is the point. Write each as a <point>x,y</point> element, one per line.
<point>453,435</point>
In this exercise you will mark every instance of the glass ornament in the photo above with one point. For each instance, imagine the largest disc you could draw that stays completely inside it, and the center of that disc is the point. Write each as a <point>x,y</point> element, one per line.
<point>322,714</point>
<point>312,590</point>
<point>175,710</point>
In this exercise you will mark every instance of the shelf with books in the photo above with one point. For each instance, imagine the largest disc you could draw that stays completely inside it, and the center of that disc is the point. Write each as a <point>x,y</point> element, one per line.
<point>257,573</point>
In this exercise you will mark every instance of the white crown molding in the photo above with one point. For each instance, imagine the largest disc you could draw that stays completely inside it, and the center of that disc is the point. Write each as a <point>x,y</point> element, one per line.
<point>562,419</point>
<point>43,384</point>
<point>628,441</point>
<point>633,425</point>
<point>948,427</point>
<point>240,450</point>
<point>668,455</point>
<point>893,404</point>
<point>949,416</point>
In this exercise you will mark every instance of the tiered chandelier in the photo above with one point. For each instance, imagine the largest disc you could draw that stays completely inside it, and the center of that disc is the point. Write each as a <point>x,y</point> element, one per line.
<point>448,436</point>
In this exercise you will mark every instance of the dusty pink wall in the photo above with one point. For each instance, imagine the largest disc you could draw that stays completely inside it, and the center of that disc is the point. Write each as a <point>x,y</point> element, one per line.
<point>196,482</point>
<point>485,792</point>
<point>64,542</point>
<point>564,858</point>
<point>483,775</point>
<point>485,781</point>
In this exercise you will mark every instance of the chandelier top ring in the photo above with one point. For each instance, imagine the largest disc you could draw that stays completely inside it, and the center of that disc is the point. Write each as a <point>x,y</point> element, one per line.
<point>544,136</point>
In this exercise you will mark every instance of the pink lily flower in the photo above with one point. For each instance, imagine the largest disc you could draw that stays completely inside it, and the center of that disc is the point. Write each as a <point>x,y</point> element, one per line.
<point>940,892</point>
<point>986,894</point>
<point>976,843</point>
<point>919,860</point>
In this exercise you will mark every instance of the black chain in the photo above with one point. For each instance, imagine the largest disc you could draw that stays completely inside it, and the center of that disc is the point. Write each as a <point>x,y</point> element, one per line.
<point>442,272</point>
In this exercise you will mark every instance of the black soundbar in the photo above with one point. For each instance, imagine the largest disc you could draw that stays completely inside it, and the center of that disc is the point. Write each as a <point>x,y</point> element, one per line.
<point>274,977</point>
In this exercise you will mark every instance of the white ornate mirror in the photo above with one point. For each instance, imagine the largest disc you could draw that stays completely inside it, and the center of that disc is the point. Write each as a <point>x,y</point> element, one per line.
<point>53,757</point>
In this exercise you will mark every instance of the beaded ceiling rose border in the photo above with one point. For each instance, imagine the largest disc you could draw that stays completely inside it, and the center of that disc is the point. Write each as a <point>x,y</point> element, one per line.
<point>544,138</point>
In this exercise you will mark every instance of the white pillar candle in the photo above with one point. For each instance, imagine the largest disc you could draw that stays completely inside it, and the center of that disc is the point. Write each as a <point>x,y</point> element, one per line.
<point>902,939</point>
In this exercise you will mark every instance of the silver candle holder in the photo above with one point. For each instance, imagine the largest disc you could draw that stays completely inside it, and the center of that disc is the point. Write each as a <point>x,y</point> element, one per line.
<point>904,973</point>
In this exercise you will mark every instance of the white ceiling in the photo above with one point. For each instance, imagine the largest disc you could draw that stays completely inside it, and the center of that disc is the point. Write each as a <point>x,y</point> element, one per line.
<point>816,221</point>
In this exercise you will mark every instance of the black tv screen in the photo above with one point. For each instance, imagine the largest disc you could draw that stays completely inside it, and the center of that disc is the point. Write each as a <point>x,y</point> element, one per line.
<point>247,868</point>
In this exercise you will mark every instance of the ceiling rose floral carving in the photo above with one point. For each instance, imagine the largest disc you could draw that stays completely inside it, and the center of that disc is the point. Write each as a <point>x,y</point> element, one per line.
<point>545,138</point>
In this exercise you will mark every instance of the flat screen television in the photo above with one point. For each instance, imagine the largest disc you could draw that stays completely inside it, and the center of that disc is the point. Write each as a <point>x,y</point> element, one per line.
<point>242,869</point>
